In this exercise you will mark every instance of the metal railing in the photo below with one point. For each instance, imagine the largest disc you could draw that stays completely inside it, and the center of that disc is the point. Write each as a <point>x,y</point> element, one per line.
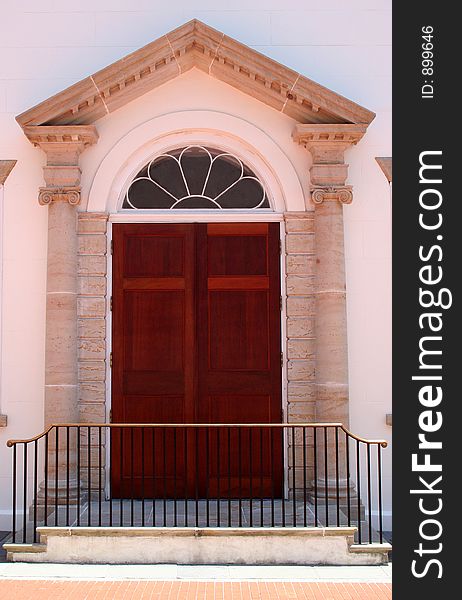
<point>197,475</point>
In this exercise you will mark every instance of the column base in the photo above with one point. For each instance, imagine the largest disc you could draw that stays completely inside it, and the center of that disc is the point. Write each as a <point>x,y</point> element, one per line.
<point>347,497</point>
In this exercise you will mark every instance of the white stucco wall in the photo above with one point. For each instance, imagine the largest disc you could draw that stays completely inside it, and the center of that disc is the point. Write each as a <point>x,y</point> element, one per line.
<point>47,45</point>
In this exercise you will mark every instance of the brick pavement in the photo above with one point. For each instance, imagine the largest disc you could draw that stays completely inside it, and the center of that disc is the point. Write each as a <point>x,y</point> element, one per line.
<point>55,589</point>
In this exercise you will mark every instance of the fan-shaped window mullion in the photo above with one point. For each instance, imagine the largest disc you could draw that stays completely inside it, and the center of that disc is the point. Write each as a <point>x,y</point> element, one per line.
<point>195,177</point>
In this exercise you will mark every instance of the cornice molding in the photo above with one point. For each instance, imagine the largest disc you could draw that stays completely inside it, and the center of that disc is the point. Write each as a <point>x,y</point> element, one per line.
<point>385,163</point>
<point>195,44</point>
<point>343,134</point>
<point>6,166</point>
<point>80,135</point>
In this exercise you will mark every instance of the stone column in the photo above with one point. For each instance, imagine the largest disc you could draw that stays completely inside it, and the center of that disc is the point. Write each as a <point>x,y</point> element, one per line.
<point>329,192</point>
<point>63,146</point>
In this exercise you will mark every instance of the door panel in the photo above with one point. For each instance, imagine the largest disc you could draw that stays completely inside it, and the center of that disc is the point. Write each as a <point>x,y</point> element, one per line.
<point>196,339</point>
<point>239,372</point>
<point>153,348</point>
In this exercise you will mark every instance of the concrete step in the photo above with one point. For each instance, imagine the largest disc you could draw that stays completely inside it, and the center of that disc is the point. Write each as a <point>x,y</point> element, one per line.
<point>199,546</point>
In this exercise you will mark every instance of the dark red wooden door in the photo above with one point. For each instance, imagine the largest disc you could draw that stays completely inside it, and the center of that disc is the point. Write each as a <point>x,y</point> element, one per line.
<point>196,339</point>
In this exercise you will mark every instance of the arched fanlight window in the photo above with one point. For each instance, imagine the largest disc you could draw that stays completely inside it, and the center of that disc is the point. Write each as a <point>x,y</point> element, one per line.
<point>196,177</point>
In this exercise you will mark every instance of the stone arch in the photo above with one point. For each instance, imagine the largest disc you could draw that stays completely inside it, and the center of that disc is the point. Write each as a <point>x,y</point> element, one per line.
<point>224,131</point>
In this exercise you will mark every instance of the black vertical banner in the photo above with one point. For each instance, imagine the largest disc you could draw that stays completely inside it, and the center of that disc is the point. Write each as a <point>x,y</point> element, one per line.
<point>427,327</point>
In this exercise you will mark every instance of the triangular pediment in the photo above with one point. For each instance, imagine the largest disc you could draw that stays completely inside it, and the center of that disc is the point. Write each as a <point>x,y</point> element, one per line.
<point>195,44</point>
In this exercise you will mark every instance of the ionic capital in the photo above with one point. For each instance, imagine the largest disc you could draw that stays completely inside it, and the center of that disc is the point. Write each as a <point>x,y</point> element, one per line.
<point>342,194</point>
<point>49,195</point>
<point>327,143</point>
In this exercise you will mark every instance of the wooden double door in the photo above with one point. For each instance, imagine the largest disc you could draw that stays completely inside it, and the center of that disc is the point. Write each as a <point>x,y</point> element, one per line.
<point>196,339</point>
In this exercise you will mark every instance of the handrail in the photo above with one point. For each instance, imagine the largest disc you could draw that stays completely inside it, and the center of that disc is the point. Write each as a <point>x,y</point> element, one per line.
<point>11,443</point>
<point>197,474</point>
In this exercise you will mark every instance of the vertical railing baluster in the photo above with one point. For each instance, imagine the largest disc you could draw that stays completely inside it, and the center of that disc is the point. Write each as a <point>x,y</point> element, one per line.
<point>100,466</point>
<point>229,476</point>
<point>196,487</point>
<point>110,437</point>
<point>14,492</point>
<point>45,516</point>
<point>164,454</point>
<point>56,474</point>
<point>261,477</point>
<point>24,515</point>
<point>283,502</point>
<point>35,488</point>
<point>250,479</point>
<point>271,430</point>
<point>304,476</point>
<point>154,490</point>
<point>326,484</point>
<point>78,475</point>
<point>379,475</point>
<point>294,481</point>
<point>337,490</point>
<point>89,473</point>
<point>218,479</point>
<point>369,491</point>
<point>186,438</point>
<point>239,447</point>
<point>348,475</point>
<point>315,450</point>
<point>174,479</point>
<point>122,486</point>
<point>207,477</point>
<point>67,476</point>
<point>132,476</point>
<point>358,482</point>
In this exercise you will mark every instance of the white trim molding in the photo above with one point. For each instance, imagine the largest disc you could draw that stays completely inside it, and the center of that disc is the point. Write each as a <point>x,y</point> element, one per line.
<point>210,128</point>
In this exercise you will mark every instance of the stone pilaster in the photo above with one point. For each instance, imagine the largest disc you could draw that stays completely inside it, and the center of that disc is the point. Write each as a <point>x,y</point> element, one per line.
<point>329,193</point>
<point>300,343</point>
<point>61,194</point>
<point>91,334</point>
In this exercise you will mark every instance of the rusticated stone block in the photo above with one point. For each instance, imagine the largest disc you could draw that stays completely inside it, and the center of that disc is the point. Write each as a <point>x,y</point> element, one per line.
<point>303,224</point>
<point>91,328</point>
<point>300,327</point>
<point>92,412</point>
<point>300,243</point>
<point>301,480</point>
<point>300,391</point>
<point>299,459</point>
<point>300,370</point>
<point>92,244</point>
<point>299,348</point>
<point>92,265</point>
<point>91,307</point>
<point>300,306</point>
<point>299,285</point>
<point>300,264</point>
<point>92,392</point>
<point>92,223</point>
<point>301,412</point>
<point>92,285</point>
<point>92,349</point>
<point>297,435</point>
<point>96,460</point>
<point>94,435</point>
<point>92,370</point>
